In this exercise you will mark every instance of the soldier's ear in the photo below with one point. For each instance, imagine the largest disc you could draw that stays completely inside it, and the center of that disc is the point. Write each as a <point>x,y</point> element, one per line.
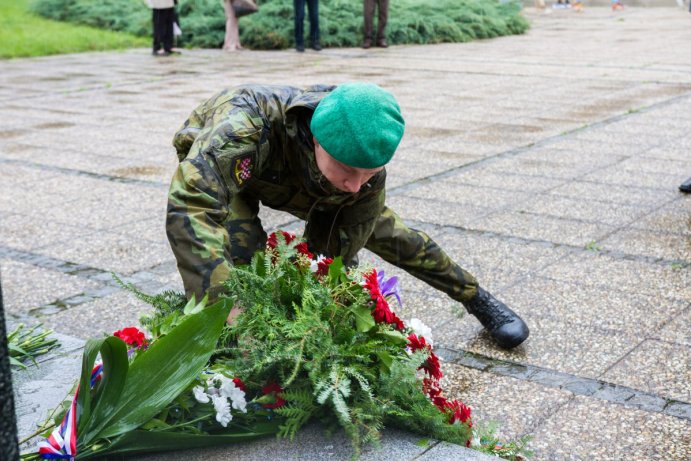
<point>316,143</point>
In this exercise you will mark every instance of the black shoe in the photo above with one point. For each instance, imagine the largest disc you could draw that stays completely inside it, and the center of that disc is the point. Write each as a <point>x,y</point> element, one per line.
<point>381,43</point>
<point>367,43</point>
<point>300,48</point>
<point>686,186</point>
<point>505,326</point>
<point>317,47</point>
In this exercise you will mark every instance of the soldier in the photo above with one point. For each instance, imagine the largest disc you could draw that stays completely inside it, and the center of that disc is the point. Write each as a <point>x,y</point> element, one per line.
<point>319,154</point>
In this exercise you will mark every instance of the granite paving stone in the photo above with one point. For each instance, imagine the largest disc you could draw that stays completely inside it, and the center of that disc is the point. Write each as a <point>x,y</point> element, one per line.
<point>677,329</point>
<point>599,270</point>
<point>650,243</point>
<point>629,194</point>
<point>596,211</point>
<point>593,307</point>
<point>673,217</point>
<point>587,428</point>
<point>518,407</point>
<point>615,175</point>
<point>25,286</point>
<point>110,252</point>
<point>542,227</point>
<point>657,367</point>
<point>101,316</point>
<point>582,350</point>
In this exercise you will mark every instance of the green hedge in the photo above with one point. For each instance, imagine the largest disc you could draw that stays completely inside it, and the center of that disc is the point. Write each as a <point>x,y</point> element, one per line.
<point>340,21</point>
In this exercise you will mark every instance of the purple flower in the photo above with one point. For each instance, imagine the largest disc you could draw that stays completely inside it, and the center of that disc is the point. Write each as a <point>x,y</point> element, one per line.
<point>389,287</point>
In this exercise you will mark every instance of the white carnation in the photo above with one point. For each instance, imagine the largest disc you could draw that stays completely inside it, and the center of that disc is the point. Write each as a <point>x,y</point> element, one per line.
<point>420,329</point>
<point>200,395</point>
<point>222,408</point>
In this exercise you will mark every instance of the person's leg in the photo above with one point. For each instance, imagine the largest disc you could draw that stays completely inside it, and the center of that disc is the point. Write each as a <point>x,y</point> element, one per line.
<point>313,7</point>
<point>156,19</point>
<point>368,14</point>
<point>299,6</point>
<point>232,39</point>
<point>416,253</point>
<point>381,23</point>
<point>168,17</point>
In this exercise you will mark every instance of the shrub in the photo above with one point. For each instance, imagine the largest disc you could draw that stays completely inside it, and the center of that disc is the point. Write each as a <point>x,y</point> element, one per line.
<point>340,21</point>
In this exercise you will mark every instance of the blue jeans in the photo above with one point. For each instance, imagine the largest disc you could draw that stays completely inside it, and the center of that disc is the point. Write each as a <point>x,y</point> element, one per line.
<point>313,7</point>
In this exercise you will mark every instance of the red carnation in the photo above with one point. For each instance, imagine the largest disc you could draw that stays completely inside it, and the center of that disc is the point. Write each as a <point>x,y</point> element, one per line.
<point>272,241</point>
<point>276,390</point>
<point>302,249</point>
<point>458,412</point>
<point>132,336</point>
<point>381,312</point>
<point>239,384</point>
<point>431,366</point>
<point>417,343</point>
<point>323,266</point>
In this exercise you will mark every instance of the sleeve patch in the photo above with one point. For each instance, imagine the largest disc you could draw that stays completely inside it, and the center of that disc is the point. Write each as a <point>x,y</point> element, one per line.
<point>242,169</point>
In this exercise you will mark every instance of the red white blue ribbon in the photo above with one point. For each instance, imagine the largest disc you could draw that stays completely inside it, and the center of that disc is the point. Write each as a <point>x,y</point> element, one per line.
<point>62,443</point>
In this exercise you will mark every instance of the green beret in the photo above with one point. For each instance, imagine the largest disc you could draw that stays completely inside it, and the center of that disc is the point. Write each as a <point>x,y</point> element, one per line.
<point>359,124</point>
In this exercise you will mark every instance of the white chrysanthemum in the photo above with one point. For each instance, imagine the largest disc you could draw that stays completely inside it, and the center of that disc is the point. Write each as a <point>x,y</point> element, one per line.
<point>222,408</point>
<point>235,394</point>
<point>200,395</point>
<point>420,329</point>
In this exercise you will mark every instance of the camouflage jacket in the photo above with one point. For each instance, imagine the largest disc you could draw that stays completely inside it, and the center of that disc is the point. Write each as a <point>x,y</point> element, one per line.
<point>250,145</point>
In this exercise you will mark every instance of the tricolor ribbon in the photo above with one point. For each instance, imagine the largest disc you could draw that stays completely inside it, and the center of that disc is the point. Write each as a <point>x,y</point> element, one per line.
<point>62,443</point>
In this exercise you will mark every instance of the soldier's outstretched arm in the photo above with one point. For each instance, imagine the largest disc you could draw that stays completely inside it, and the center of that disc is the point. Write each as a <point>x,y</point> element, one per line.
<point>416,253</point>
<point>197,211</point>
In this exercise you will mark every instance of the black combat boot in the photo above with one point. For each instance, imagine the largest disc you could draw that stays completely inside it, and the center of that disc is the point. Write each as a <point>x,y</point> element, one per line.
<point>505,326</point>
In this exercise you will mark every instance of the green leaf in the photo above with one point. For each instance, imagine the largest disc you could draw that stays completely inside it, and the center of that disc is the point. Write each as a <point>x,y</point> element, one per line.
<point>162,372</point>
<point>363,318</point>
<point>336,269</point>
<point>115,367</point>
<point>393,336</point>
<point>422,443</point>
<point>91,350</point>
<point>16,363</point>
<point>136,442</point>
<point>385,359</point>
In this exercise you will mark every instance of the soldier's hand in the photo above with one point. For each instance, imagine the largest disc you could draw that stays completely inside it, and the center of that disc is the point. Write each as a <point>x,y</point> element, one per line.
<point>234,312</point>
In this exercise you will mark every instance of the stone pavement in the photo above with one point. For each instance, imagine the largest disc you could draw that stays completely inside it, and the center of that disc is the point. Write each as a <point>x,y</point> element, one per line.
<point>547,164</point>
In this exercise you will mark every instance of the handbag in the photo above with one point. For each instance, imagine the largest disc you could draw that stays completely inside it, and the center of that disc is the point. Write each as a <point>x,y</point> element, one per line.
<point>244,7</point>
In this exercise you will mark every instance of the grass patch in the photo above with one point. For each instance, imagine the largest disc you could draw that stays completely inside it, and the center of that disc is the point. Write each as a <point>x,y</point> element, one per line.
<point>23,34</point>
<point>340,21</point>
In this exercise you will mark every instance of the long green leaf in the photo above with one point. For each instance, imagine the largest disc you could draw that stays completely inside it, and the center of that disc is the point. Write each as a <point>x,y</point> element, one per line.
<point>162,372</point>
<point>115,367</point>
<point>84,398</point>
<point>138,442</point>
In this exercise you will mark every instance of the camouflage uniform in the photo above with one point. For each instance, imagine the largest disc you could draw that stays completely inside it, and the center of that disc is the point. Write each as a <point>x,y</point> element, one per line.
<point>252,144</point>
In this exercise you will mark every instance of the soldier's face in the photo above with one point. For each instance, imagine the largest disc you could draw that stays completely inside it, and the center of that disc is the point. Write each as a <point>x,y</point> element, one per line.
<point>341,176</point>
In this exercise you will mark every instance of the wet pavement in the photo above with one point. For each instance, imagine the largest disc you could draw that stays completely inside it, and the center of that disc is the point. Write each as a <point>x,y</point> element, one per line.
<point>547,164</point>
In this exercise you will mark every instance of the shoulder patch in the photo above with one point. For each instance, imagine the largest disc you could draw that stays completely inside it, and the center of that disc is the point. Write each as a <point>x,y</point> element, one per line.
<point>242,169</point>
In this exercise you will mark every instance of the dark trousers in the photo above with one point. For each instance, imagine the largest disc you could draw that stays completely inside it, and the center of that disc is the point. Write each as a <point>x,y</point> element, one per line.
<point>163,28</point>
<point>381,21</point>
<point>313,7</point>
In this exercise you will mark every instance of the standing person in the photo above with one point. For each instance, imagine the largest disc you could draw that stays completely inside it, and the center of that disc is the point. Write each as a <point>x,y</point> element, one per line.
<point>163,20</point>
<point>232,40</point>
<point>319,154</point>
<point>383,6</point>
<point>313,7</point>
